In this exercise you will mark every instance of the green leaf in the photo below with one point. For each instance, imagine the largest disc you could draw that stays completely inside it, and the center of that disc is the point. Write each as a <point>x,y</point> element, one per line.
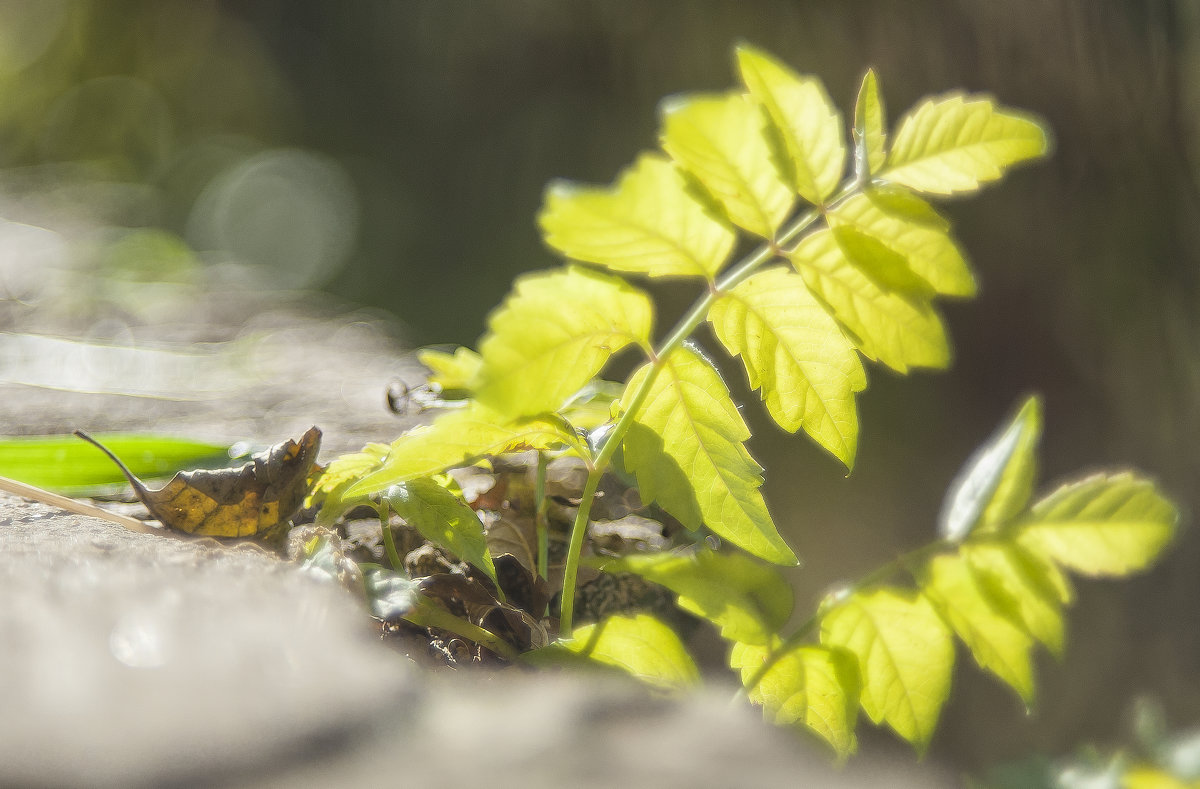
<point>996,643</point>
<point>1020,588</point>
<point>904,229</point>
<point>340,474</point>
<point>811,686</point>
<point>1105,525</point>
<point>685,447</point>
<point>720,140</point>
<point>639,645</point>
<point>456,438</point>
<point>66,465</point>
<point>905,656</point>
<point>553,333</point>
<point>452,372</point>
<point>750,602</point>
<point>954,143</point>
<point>807,120</point>
<point>796,354</point>
<point>887,268</point>
<point>995,483</point>
<point>647,224</point>
<point>444,519</point>
<point>896,330</point>
<point>870,126</point>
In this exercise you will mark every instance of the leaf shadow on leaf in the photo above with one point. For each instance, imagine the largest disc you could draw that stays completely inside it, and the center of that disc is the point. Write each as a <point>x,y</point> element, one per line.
<point>668,476</point>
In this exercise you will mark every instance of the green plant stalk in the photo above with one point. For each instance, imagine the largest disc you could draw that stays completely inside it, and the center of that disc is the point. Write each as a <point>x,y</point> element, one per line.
<point>430,614</point>
<point>389,543</point>
<point>539,500</point>
<point>682,330</point>
<point>902,562</point>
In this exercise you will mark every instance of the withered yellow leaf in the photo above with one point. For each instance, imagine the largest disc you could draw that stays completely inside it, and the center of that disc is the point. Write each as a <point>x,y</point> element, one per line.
<point>231,502</point>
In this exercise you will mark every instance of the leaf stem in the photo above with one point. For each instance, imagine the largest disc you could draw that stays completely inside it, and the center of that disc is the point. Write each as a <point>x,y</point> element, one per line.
<point>433,615</point>
<point>539,501</point>
<point>389,543</point>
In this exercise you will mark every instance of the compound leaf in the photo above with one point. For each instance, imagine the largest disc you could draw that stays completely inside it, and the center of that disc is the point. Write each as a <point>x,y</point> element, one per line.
<point>954,143</point>
<point>1105,525</point>
<point>811,686</point>
<point>553,333</point>
<point>1020,588</point>
<point>749,601</point>
<point>896,330</point>
<point>685,447</point>
<point>648,223</point>
<point>870,126</point>
<point>905,657</point>
<point>444,519</point>
<point>720,141</point>
<point>796,354</point>
<point>995,483</point>
<point>996,643</point>
<point>904,229</point>
<point>808,122</point>
<point>639,645</point>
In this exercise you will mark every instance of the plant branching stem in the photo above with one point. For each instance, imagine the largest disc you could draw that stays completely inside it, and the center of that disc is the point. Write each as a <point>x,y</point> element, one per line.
<point>539,501</point>
<point>389,542</point>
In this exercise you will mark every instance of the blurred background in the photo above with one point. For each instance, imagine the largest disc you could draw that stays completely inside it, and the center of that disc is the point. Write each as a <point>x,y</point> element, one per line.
<point>393,155</point>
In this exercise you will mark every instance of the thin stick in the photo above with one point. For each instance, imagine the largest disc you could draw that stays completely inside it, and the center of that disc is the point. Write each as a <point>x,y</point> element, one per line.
<point>77,507</point>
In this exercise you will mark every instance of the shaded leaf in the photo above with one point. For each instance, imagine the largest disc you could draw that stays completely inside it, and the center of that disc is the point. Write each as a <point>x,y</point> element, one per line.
<point>233,502</point>
<point>720,141</point>
<point>870,126</point>
<point>928,250</point>
<point>898,331</point>
<point>685,447</point>
<point>796,354</point>
<point>648,223</point>
<point>640,645</point>
<point>954,143</point>
<point>553,333</point>
<point>905,657</point>
<point>995,642</point>
<point>1105,525</point>
<point>1020,588</point>
<point>749,601</point>
<point>452,372</point>
<point>444,519</point>
<point>995,483</point>
<point>808,122</point>
<point>811,686</point>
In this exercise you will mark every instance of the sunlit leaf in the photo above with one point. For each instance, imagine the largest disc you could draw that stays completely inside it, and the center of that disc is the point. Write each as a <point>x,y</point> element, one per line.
<point>720,140</point>
<point>592,405</point>
<point>955,143</point>
<point>639,645</point>
<point>1149,777</point>
<point>685,447</point>
<point>870,125</point>
<point>928,250</point>
<point>749,601</point>
<point>1020,588</point>
<point>344,471</point>
<point>905,657</point>
<point>796,354</point>
<point>1104,525</point>
<point>996,643</point>
<point>808,121</point>
<point>555,331</point>
<point>898,331</point>
<point>647,224</point>
<point>995,483</point>
<point>444,519</point>
<point>456,438</point>
<point>811,686</point>
<point>452,372</point>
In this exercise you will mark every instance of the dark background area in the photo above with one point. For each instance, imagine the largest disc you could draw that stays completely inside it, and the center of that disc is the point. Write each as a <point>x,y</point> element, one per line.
<point>393,154</point>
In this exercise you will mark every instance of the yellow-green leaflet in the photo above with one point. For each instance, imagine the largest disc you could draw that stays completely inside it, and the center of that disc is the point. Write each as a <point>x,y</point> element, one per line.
<point>553,334</point>
<point>1105,525</point>
<point>998,645</point>
<point>648,223</point>
<point>1020,588</point>
<point>894,329</point>
<point>927,249</point>
<point>444,519</point>
<point>870,126</point>
<point>808,122</point>
<point>454,371</point>
<point>639,645</point>
<point>954,143</point>
<point>811,686</point>
<point>685,447</point>
<point>720,141</point>
<point>905,657</point>
<point>796,354</point>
